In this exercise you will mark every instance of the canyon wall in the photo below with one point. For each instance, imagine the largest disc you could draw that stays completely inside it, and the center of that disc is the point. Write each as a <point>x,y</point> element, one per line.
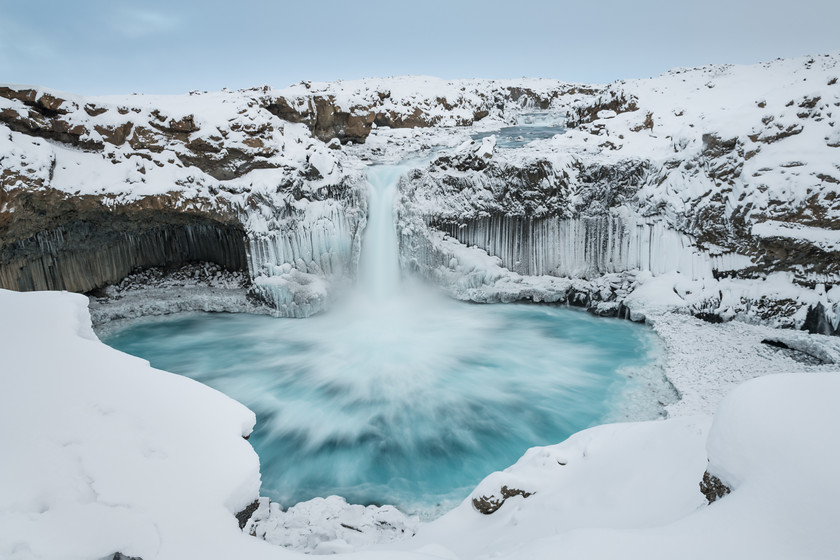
<point>720,183</point>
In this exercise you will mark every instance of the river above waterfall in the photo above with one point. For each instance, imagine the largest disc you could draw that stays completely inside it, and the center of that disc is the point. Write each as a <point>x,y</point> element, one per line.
<point>529,126</point>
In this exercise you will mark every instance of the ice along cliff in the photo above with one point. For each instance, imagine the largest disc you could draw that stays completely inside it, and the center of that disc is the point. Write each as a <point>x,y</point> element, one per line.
<point>711,190</point>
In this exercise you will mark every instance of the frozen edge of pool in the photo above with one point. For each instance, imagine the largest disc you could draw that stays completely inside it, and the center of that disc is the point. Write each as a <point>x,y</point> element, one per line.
<point>627,375</point>
<point>702,361</point>
<point>123,417</point>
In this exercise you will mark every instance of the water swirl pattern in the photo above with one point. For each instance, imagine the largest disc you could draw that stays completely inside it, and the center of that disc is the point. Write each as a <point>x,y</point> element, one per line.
<point>399,396</point>
<point>414,404</point>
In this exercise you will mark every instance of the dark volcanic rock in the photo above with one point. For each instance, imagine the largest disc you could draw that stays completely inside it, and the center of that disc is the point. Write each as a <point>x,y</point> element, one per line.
<point>243,516</point>
<point>817,322</point>
<point>491,504</point>
<point>53,241</point>
<point>712,487</point>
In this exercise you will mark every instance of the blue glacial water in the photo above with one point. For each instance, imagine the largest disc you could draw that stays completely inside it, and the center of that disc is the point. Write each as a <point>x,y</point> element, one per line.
<point>529,127</point>
<point>412,403</point>
<point>399,396</point>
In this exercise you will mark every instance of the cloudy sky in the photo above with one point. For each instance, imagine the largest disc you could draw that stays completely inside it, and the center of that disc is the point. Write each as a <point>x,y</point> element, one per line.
<point>115,46</point>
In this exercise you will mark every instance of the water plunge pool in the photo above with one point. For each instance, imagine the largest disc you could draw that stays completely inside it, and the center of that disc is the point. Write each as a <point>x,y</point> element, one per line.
<point>399,396</point>
<point>410,403</point>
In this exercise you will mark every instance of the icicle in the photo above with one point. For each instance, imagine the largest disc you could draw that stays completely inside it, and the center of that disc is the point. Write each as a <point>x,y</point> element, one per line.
<point>588,247</point>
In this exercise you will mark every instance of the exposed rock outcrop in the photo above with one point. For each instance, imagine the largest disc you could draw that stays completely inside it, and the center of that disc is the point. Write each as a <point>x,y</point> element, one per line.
<point>491,504</point>
<point>661,177</point>
<point>349,110</point>
<point>652,178</point>
<point>53,241</point>
<point>712,487</point>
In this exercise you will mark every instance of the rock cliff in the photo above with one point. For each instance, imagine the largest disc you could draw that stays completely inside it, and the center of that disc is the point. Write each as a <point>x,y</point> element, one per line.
<point>722,179</point>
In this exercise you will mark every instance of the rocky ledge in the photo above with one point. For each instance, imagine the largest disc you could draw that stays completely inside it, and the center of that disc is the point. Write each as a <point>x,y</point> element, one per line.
<point>690,191</point>
<point>732,189</point>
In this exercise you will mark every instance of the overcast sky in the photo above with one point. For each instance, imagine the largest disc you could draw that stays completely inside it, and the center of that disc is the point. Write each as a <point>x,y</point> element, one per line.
<point>115,46</point>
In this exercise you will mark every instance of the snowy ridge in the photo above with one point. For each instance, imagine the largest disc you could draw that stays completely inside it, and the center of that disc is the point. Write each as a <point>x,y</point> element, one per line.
<point>428,101</point>
<point>691,172</point>
<point>221,157</point>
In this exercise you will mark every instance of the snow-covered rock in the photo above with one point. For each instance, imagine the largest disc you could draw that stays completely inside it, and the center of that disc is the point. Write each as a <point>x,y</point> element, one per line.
<point>328,525</point>
<point>721,174</point>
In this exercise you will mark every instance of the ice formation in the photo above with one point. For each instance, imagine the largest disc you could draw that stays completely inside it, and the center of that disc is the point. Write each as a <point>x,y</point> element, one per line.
<point>709,191</point>
<point>589,247</point>
<point>691,172</point>
<point>291,267</point>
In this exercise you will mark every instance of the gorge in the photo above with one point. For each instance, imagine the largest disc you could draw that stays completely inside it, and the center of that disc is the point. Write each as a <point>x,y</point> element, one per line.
<point>704,202</point>
<point>397,396</point>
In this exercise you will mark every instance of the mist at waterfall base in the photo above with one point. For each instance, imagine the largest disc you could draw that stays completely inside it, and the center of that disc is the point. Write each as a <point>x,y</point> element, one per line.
<point>398,396</point>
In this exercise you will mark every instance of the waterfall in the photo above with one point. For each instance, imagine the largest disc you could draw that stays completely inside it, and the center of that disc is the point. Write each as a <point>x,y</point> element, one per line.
<point>296,268</point>
<point>379,269</point>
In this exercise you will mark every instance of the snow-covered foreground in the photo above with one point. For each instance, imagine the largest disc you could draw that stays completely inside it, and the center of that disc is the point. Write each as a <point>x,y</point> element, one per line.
<point>103,454</point>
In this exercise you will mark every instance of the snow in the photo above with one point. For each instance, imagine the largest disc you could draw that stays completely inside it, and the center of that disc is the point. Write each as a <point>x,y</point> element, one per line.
<point>780,178</point>
<point>118,456</point>
<point>104,454</point>
<point>152,292</point>
<point>445,103</point>
<point>723,146</point>
<point>826,239</point>
<point>329,525</point>
<point>706,361</point>
<point>631,490</point>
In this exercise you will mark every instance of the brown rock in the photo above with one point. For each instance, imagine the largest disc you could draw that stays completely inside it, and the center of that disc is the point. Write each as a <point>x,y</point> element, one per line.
<point>202,145</point>
<point>184,124</point>
<point>491,504</point>
<point>253,143</point>
<point>25,95</point>
<point>52,103</point>
<point>93,110</point>
<point>115,135</point>
<point>712,487</point>
<point>145,139</point>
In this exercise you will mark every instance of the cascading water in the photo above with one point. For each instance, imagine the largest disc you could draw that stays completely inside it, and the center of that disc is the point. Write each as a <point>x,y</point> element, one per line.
<point>399,396</point>
<point>379,266</point>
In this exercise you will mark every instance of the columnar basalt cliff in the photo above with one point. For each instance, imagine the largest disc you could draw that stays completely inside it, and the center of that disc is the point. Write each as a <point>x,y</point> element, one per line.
<point>718,185</point>
<point>95,188</point>
<point>732,190</point>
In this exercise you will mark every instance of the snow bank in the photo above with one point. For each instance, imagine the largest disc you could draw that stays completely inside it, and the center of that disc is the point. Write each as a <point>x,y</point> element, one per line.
<point>104,454</point>
<point>632,490</point>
